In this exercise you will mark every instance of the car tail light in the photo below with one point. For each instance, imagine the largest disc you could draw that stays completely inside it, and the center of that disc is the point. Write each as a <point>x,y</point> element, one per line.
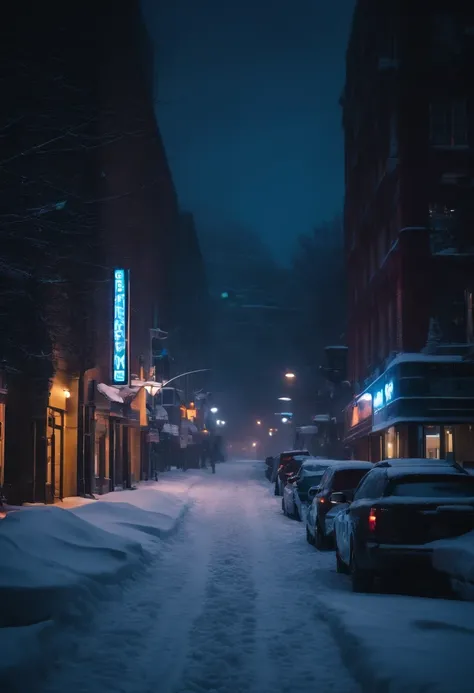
<point>372,519</point>
<point>322,500</point>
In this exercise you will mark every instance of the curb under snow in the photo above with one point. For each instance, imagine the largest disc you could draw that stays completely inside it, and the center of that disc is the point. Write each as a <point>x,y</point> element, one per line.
<point>59,564</point>
<point>395,644</point>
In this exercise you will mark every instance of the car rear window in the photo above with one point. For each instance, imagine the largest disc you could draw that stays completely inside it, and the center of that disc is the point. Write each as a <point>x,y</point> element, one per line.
<point>347,479</point>
<point>314,468</point>
<point>433,486</point>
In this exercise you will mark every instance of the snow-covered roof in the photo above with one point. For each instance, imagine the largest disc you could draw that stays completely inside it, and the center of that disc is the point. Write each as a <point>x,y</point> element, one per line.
<point>415,461</point>
<point>424,469</point>
<point>351,464</point>
<point>425,500</point>
<point>416,357</point>
<point>308,430</point>
<point>328,462</point>
<point>299,451</point>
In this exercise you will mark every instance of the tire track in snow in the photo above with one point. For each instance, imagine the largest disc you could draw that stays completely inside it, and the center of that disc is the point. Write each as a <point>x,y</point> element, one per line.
<point>222,640</point>
<point>296,647</point>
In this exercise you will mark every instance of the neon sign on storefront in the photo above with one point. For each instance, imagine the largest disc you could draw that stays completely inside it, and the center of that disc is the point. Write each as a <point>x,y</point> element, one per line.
<point>120,356</point>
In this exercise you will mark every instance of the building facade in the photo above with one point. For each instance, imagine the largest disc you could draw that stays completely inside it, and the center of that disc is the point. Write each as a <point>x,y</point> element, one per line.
<point>89,182</point>
<point>409,235</point>
<point>138,221</point>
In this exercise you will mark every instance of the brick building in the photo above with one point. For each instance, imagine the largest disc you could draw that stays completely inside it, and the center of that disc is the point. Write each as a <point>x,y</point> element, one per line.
<point>88,181</point>
<point>408,123</point>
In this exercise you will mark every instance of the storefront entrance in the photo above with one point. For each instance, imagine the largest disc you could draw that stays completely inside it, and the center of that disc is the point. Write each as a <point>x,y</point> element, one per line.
<point>55,455</point>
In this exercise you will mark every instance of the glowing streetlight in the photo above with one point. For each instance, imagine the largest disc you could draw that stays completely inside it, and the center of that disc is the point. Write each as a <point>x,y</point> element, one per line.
<point>284,399</point>
<point>290,375</point>
<point>254,445</point>
<point>259,423</point>
<point>214,410</point>
<point>285,419</point>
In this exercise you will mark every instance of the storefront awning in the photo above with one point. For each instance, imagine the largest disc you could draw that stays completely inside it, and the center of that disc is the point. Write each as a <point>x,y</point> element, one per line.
<point>118,395</point>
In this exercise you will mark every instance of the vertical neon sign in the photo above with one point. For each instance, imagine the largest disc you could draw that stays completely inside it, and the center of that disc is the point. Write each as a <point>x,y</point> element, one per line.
<point>120,368</point>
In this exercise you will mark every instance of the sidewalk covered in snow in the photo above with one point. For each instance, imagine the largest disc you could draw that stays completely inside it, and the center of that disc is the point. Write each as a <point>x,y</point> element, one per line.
<point>58,561</point>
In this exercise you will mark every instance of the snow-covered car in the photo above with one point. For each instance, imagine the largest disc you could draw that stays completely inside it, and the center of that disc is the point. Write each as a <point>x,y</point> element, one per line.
<point>287,464</point>
<point>296,491</point>
<point>397,510</point>
<point>342,476</point>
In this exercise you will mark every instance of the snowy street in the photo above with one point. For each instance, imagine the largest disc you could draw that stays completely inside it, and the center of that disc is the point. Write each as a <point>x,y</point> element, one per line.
<point>228,605</point>
<point>235,601</point>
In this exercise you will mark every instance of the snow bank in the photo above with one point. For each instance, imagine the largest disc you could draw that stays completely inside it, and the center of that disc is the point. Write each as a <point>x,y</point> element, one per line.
<point>403,644</point>
<point>455,557</point>
<point>50,556</point>
<point>57,562</point>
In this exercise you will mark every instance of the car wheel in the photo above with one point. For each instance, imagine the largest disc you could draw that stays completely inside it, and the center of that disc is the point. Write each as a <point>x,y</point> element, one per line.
<point>319,538</point>
<point>309,536</point>
<point>362,580</point>
<point>340,565</point>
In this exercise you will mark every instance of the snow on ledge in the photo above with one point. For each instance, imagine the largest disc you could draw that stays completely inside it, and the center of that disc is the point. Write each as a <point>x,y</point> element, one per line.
<point>416,357</point>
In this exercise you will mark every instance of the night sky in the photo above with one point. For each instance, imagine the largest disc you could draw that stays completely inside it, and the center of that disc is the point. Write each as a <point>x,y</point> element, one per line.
<point>247,100</point>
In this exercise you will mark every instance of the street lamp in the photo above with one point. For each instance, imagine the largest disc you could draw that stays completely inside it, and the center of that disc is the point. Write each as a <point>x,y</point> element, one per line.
<point>254,445</point>
<point>259,423</point>
<point>285,419</point>
<point>284,399</point>
<point>290,375</point>
<point>152,387</point>
<point>214,410</point>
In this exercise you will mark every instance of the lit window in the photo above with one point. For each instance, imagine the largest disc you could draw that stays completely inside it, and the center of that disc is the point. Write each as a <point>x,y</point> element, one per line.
<point>391,443</point>
<point>448,441</point>
<point>432,442</point>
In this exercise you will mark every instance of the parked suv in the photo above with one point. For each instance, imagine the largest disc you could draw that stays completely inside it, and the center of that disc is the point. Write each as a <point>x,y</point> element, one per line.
<point>398,509</point>
<point>342,476</point>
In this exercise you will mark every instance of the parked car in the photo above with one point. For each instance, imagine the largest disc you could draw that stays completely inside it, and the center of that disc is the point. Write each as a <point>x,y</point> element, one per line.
<point>288,464</point>
<point>399,507</point>
<point>296,491</point>
<point>342,476</point>
<point>269,461</point>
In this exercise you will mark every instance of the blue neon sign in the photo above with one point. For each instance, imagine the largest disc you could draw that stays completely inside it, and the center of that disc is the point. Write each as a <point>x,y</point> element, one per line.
<point>389,391</point>
<point>378,400</point>
<point>120,375</point>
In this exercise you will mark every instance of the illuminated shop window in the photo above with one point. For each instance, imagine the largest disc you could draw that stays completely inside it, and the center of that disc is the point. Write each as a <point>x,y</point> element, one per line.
<point>432,442</point>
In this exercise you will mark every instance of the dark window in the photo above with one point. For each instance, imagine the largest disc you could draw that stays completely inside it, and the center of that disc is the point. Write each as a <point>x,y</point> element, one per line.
<point>292,467</point>
<point>347,479</point>
<point>448,124</point>
<point>326,477</point>
<point>372,486</point>
<point>438,486</point>
<point>446,37</point>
